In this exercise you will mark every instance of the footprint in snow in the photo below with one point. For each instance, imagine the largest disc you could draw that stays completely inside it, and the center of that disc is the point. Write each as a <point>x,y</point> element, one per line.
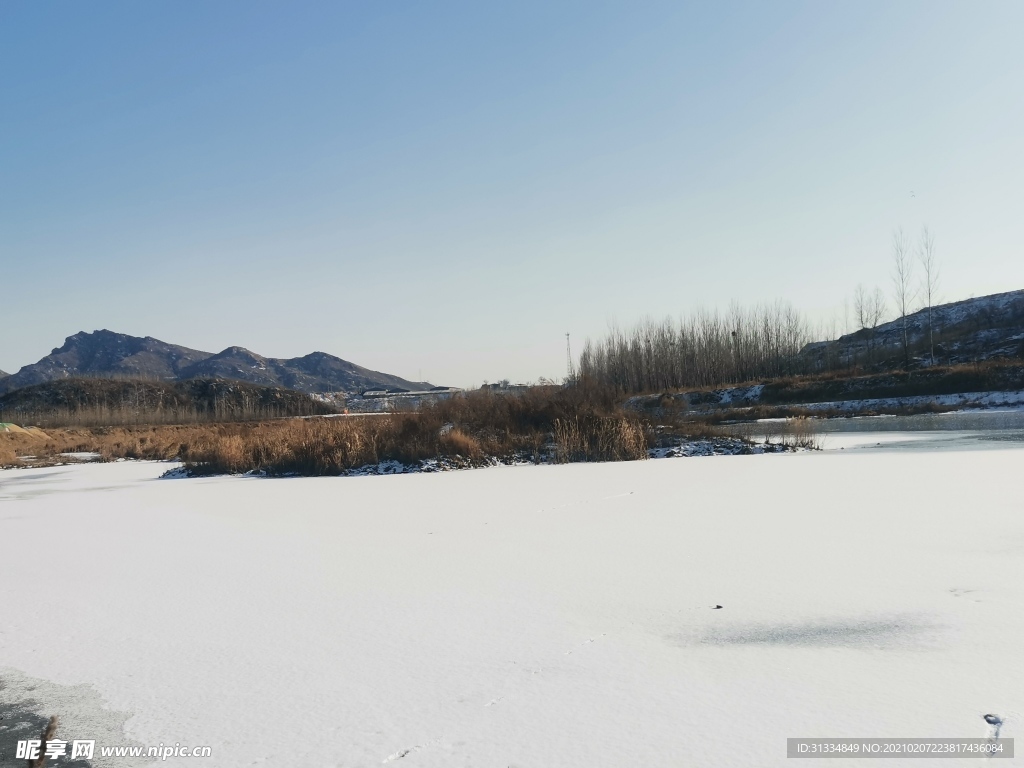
<point>962,592</point>
<point>995,724</point>
<point>403,752</point>
<point>588,641</point>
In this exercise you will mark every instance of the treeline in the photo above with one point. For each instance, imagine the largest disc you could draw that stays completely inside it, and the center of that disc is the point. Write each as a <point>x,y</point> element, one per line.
<point>709,348</point>
<point>90,402</point>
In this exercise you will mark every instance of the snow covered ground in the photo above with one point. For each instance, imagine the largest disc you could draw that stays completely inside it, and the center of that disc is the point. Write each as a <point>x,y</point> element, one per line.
<point>963,400</point>
<point>522,616</point>
<point>747,397</point>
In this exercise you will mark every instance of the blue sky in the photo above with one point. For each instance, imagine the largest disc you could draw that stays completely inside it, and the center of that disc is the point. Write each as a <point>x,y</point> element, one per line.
<point>445,189</point>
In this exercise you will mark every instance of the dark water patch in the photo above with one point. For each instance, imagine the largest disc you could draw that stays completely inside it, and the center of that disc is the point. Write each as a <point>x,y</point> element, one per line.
<point>18,723</point>
<point>26,705</point>
<point>884,633</point>
<point>992,421</point>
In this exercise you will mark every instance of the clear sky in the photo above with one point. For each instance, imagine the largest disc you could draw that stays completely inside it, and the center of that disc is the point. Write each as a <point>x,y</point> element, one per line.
<point>443,190</point>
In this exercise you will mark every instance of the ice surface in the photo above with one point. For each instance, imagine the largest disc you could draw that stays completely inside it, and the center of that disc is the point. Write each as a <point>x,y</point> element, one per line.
<point>528,616</point>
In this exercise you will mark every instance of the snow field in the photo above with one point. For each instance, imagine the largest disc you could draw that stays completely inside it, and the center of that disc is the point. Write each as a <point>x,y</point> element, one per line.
<point>527,616</point>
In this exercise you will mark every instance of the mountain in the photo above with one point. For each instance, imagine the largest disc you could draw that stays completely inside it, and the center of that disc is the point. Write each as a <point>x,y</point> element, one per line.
<point>315,372</point>
<point>105,354</point>
<point>976,329</point>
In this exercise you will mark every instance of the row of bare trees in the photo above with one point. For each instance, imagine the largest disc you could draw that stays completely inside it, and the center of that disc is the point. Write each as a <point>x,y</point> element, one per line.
<point>707,348</point>
<point>711,348</point>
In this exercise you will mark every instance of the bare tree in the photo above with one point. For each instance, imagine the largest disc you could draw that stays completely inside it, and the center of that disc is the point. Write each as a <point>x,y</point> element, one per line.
<point>929,281</point>
<point>876,308</point>
<point>860,307</point>
<point>903,284</point>
<point>868,309</point>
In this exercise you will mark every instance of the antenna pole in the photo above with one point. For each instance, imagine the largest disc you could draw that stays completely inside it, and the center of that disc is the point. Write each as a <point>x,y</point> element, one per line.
<point>568,358</point>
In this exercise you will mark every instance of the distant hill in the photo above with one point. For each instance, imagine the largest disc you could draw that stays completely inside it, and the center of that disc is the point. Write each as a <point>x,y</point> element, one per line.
<point>105,354</point>
<point>983,328</point>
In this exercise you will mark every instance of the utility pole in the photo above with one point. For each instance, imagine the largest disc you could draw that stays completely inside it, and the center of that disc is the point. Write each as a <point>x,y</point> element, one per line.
<point>568,359</point>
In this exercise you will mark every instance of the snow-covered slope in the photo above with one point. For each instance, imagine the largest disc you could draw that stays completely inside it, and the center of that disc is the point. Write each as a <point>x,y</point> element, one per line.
<point>524,616</point>
<point>740,399</point>
<point>972,329</point>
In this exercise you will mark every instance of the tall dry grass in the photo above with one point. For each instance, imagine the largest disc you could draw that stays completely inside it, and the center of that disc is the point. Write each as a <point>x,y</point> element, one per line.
<point>545,423</point>
<point>472,430</point>
<point>580,423</point>
<point>797,432</point>
<point>599,439</point>
<point>802,432</point>
<point>8,456</point>
<point>153,442</point>
<point>305,447</point>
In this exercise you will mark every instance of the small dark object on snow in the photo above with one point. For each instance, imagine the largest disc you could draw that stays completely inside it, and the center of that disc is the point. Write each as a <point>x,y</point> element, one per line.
<point>993,719</point>
<point>716,607</point>
<point>47,736</point>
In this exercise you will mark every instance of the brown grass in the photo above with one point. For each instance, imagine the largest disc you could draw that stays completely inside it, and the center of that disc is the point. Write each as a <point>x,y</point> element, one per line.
<point>599,439</point>
<point>470,428</point>
<point>8,456</point>
<point>457,442</point>
<point>156,442</point>
<point>801,432</point>
<point>47,736</point>
<point>541,424</point>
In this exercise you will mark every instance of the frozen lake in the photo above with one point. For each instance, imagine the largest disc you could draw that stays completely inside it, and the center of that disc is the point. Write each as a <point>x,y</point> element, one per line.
<point>922,432</point>
<point>526,616</point>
